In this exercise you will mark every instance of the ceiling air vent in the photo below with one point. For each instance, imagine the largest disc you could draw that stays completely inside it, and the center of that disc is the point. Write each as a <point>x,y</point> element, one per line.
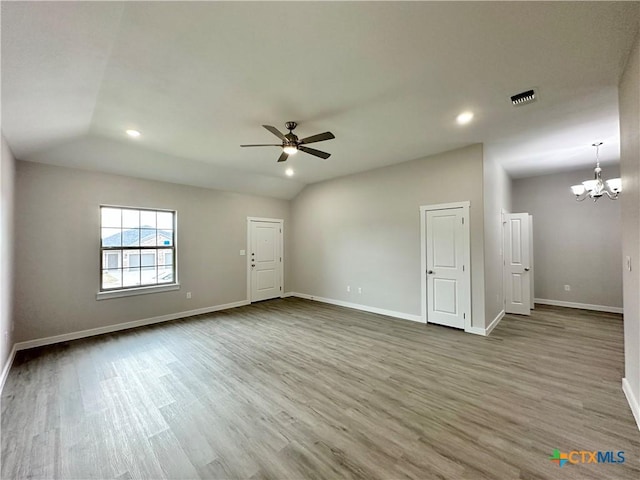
<point>523,98</point>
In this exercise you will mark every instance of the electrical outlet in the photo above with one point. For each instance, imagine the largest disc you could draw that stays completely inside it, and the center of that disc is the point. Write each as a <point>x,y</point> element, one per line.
<point>348,288</point>
<point>359,289</point>
<point>188,294</point>
<point>567,288</point>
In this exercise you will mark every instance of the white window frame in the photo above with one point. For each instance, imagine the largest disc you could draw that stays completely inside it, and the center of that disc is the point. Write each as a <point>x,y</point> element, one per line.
<point>104,294</point>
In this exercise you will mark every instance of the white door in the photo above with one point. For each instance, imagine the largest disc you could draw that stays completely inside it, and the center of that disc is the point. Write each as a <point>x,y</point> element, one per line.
<point>517,263</point>
<point>265,256</point>
<point>448,279</point>
<point>531,265</point>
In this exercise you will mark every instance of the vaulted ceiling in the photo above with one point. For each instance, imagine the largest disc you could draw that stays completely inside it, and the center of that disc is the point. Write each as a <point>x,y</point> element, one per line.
<point>387,78</point>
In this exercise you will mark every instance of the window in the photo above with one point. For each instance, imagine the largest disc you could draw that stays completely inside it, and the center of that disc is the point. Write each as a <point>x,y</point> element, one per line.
<point>137,248</point>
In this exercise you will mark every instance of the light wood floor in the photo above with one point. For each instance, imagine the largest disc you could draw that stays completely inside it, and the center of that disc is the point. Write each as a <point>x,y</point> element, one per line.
<point>294,389</point>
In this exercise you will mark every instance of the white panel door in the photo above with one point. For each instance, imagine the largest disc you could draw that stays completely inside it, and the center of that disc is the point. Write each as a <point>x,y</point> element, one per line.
<point>265,257</point>
<point>447,275</point>
<point>531,266</point>
<point>517,264</point>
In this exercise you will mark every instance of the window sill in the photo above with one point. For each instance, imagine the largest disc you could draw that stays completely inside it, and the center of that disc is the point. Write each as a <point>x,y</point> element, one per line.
<point>129,292</point>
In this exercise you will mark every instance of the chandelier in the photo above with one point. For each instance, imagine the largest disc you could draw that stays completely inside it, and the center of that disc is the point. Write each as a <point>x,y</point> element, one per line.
<point>597,187</point>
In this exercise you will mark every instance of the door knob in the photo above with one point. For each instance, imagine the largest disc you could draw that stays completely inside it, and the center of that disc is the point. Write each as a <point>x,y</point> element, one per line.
<point>526,269</point>
<point>430,272</point>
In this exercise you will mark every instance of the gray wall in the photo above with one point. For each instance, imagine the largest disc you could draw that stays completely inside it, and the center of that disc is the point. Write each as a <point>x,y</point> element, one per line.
<point>57,247</point>
<point>574,243</point>
<point>497,198</point>
<point>363,230</point>
<point>630,167</point>
<point>7,189</point>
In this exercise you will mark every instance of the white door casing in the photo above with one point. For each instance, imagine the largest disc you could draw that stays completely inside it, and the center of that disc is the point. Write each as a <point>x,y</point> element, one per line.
<point>446,265</point>
<point>265,262</point>
<point>517,263</point>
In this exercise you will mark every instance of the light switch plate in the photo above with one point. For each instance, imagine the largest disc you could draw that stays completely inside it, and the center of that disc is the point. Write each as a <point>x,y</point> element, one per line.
<point>243,253</point>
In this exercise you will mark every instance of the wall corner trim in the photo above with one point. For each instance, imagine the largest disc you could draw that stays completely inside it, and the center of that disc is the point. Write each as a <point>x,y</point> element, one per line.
<point>65,337</point>
<point>582,306</point>
<point>7,367</point>
<point>633,401</point>
<point>357,306</point>
<point>494,323</point>
<point>477,331</point>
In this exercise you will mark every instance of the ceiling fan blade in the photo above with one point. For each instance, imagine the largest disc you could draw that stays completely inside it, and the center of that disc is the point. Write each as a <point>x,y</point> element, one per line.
<point>275,131</point>
<point>313,151</point>
<point>283,157</point>
<point>317,138</point>
<point>263,145</point>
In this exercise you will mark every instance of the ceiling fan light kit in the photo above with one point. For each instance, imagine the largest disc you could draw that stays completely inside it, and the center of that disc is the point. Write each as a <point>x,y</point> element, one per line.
<point>291,144</point>
<point>597,187</point>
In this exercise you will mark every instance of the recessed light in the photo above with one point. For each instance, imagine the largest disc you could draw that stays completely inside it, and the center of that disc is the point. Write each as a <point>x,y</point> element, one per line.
<point>464,118</point>
<point>133,133</point>
<point>289,172</point>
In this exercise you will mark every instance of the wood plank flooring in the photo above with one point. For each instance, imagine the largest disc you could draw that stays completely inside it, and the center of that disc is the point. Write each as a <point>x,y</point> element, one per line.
<point>294,389</point>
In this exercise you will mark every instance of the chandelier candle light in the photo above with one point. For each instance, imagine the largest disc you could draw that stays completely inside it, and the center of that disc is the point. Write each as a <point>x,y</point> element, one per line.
<point>597,187</point>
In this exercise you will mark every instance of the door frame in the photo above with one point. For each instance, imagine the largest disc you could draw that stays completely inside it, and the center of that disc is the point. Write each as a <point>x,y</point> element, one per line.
<point>279,221</point>
<point>423,256</point>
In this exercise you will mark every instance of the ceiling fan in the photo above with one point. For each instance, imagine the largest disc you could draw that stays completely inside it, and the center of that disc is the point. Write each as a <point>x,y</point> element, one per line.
<point>291,143</point>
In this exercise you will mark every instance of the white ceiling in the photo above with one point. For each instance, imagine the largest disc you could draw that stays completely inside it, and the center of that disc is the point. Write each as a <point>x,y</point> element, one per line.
<point>387,78</point>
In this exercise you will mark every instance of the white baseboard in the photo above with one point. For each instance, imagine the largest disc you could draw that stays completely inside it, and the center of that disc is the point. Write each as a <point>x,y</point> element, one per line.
<point>477,331</point>
<point>357,306</point>
<point>7,367</point>
<point>494,323</point>
<point>39,342</point>
<point>633,401</point>
<point>485,332</point>
<point>583,306</point>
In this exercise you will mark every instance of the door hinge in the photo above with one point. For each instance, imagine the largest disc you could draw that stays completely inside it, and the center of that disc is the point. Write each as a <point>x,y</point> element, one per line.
<point>280,230</point>
<point>463,268</point>
<point>464,316</point>
<point>463,220</point>
<point>280,288</point>
<point>281,259</point>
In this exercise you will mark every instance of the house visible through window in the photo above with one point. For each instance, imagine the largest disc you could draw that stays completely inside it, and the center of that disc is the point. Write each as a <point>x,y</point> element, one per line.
<point>138,247</point>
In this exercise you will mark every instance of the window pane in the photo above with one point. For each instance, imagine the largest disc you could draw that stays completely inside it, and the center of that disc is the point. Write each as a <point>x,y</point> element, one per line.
<point>165,220</point>
<point>149,259</point>
<point>131,237</point>
<point>112,259</point>
<point>147,219</point>
<point>148,237</point>
<point>165,237</point>
<point>131,259</point>
<point>111,237</point>
<point>165,257</point>
<point>148,276</point>
<point>111,217</point>
<point>165,274</point>
<point>130,218</point>
<point>111,278</point>
<point>131,277</point>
